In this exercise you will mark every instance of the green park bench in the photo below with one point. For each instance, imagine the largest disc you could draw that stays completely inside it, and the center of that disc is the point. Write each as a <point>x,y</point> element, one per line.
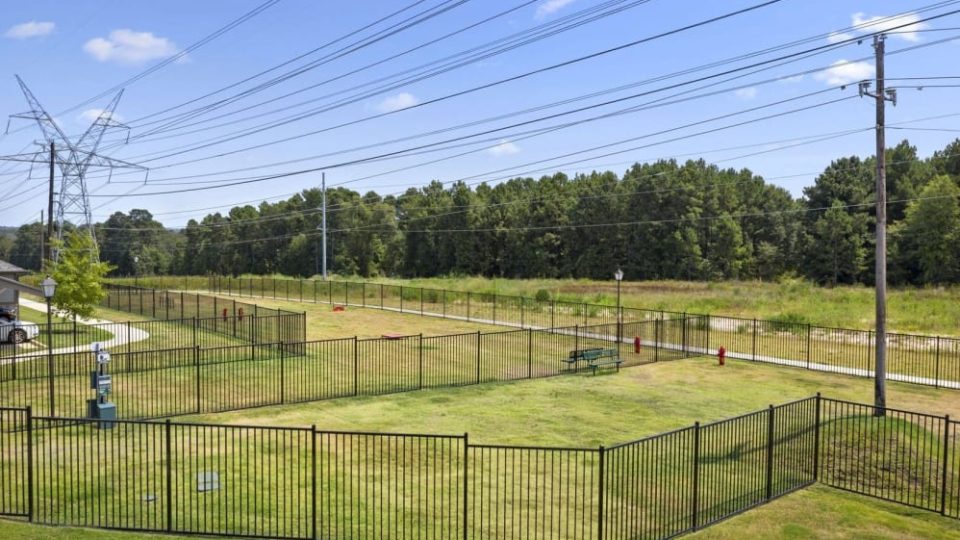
<point>581,355</point>
<point>606,357</point>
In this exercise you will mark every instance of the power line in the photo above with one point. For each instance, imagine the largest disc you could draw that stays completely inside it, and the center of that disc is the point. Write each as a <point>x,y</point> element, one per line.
<point>758,64</point>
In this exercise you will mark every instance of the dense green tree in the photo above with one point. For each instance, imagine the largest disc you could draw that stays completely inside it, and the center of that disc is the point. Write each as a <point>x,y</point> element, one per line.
<point>928,239</point>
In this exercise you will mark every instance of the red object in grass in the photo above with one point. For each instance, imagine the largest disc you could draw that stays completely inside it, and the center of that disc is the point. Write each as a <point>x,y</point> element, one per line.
<point>224,314</point>
<point>339,308</point>
<point>240,314</point>
<point>392,336</point>
<point>636,344</point>
<point>722,355</point>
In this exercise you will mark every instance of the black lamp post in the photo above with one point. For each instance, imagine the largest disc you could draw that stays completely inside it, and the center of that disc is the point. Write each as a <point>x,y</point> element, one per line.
<point>618,275</point>
<point>48,286</point>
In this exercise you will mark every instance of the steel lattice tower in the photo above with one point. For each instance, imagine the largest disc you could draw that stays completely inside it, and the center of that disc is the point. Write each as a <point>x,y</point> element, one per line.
<point>73,159</point>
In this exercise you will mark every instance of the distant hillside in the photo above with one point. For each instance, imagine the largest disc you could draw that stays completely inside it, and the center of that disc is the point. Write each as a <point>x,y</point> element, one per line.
<point>8,231</point>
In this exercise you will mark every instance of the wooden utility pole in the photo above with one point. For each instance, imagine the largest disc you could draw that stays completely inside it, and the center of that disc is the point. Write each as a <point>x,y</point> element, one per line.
<point>323,188</point>
<point>881,95</point>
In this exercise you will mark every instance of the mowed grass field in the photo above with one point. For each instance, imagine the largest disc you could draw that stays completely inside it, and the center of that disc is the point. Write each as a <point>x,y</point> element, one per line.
<point>909,310</point>
<point>584,410</point>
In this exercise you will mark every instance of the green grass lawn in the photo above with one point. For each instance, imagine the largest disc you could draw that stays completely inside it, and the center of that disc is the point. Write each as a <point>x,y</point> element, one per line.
<point>823,512</point>
<point>583,410</point>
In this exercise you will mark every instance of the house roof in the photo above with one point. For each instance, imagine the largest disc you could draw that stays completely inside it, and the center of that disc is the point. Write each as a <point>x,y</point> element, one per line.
<point>7,268</point>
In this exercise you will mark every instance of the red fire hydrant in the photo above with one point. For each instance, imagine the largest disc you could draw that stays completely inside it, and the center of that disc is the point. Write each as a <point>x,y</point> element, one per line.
<point>224,314</point>
<point>721,355</point>
<point>636,344</point>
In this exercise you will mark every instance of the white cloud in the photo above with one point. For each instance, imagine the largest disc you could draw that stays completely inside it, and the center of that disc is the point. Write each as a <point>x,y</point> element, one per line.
<point>551,6</point>
<point>128,47</point>
<point>837,37</point>
<point>505,148</point>
<point>871,24</point>
<point>746,93</point>
<point>844,72</point>
<point>30,29</point>
<point>397,102</point>
<point>90,115</point>
<point>794,79</point>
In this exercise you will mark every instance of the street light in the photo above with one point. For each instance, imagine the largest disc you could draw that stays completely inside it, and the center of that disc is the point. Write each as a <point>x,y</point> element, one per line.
<point>49,287</point>
<point>618,275</point>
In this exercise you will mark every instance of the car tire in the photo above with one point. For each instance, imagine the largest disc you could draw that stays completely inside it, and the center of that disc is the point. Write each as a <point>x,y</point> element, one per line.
<point>17,336</point>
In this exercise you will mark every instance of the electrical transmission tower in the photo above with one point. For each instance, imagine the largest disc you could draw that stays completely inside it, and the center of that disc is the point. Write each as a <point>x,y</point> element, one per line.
<point>73,159</point>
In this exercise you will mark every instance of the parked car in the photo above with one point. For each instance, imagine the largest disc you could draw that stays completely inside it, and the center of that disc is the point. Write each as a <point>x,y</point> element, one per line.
<point>13,330</point>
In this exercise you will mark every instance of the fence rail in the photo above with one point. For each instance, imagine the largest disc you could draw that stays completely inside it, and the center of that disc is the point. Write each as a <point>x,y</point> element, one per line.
<point>288,482</point>
<point>195,379</point>
<point>927,360</point>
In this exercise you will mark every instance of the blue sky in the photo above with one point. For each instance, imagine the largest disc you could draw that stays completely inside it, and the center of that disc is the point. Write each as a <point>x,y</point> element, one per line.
<point>69,52</point>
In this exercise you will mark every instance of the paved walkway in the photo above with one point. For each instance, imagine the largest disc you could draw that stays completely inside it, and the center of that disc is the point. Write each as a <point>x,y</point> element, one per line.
<point>122,334</point>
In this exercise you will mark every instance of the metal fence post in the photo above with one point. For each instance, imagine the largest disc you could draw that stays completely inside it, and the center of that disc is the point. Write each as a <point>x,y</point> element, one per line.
<point>381,296</point>
<point>770,426</point>
<point>656,340</point>
<point>29,463</point>
<point>420,360</point>
<point>466,483</point>
<point>946,465</point>
<point>363,293</point>
<point>936,380</point>
<point>401,299</point>
<point>282,355</point>
<point>754,340</point>
<point>553,315</point>
<point>197,385</point>
<point>495,308</point>
<point>478,356</point>
<point>683,335</point>
<point>809,331</point>
<point>421,301</point>
<point>600,489</point>
<point>356,366</point>
<point>529,353</point>
<point>816,441</point>
<point>195,332</point>
<point>444,292</point>
<point>468,305</point>
<point>169,452</point>
<point>522,302</point>
<point>707,344</point>
<point>696,476</point>
<point>313,481</point>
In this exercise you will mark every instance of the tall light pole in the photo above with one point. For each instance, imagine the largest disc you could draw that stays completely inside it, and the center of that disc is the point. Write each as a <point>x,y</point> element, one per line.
<point>618,275</point>
<point>48,286</point>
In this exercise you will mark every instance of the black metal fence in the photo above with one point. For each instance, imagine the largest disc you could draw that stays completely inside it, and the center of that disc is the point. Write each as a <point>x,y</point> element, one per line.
<point>195,379</point>
<point>240,320</point>
<point>927,360</point>
<point>283,482</point>
<point>139,336</point>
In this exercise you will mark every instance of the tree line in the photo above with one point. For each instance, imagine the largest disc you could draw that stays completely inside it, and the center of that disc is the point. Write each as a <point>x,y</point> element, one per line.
<point>662,220</point>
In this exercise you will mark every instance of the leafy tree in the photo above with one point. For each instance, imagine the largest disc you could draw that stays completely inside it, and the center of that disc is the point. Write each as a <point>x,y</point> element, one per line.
<point>837,254</point>
<point>928,239</point>
<point>78,275</point>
